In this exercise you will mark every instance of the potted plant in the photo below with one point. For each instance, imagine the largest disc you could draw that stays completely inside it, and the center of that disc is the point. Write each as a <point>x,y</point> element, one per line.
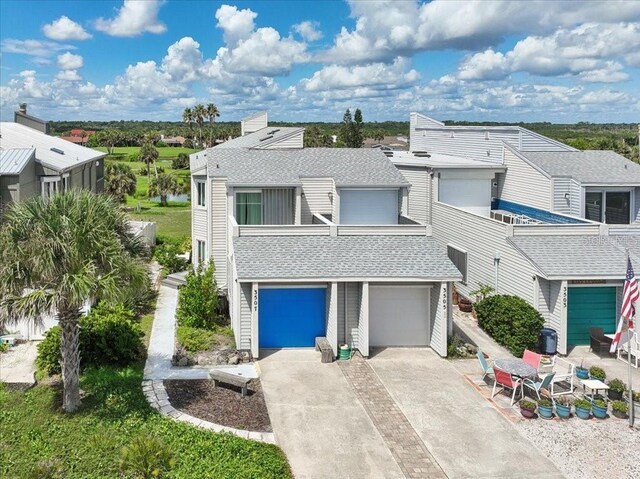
<point>582,372</point>
<point>597,373</point>
<point>563,406</point>
<point>599,408</point>
<point>545,408</point>
<point>583,408</point>
<point>465,304</point>
<point>620,409</point>
<point>616,389</point>
<point>527,408</point>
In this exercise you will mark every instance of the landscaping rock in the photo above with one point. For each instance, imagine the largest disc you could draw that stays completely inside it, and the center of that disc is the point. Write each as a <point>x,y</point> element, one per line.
<point>235,359</point>
<point>183,361</point>
<point>471,348</point>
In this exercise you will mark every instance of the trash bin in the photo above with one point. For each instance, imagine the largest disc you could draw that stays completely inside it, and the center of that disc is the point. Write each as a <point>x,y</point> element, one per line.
<point>548,341</point>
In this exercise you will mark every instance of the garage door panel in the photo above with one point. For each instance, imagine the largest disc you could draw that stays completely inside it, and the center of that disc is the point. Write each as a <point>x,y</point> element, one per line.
<point>291,317</point>
<point>590,307</point>
<point>399,316</point>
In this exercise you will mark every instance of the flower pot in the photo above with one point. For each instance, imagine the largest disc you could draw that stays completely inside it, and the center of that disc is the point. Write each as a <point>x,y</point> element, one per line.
<point>599,412</point>
<point>620,414</point>
<point>545,412</point>
<point>582,373</point>
<point>465,307</point>
<point>563,411</point>
<point>528,413</point>
<point>614,395</point>
<point>583,413</point>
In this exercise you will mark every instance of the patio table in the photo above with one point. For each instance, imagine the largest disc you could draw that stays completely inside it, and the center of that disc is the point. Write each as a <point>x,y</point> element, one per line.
<point>516,367</point>
<point>594,385</point>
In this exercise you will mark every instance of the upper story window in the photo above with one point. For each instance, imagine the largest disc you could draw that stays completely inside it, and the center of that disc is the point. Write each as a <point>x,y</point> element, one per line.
<point>364,206</point>
<point>611,207</point>
<point>249,208</point>
<point>201,191</point>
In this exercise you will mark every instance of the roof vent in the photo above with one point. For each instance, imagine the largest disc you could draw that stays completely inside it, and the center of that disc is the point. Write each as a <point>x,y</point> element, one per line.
<point>388,153</point>
<point>422,154</point>
<point>266,137</point>
<point>57,150</point>
<point>274,131</point>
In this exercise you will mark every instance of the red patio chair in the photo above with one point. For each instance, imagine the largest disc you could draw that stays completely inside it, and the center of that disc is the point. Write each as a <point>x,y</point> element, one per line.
<point>505,380</point>
<point>532,359</point>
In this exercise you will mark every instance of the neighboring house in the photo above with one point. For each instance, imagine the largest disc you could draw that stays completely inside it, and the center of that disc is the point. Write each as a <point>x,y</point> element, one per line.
<point>78,136</point>
<point>35,163</point>
<point>388,142</point>
<point>172,140</point>
<point>510,223</point>
<point>312,242</point>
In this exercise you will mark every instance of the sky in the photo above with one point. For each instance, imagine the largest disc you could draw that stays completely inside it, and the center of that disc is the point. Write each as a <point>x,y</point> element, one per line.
<point>490,60</point>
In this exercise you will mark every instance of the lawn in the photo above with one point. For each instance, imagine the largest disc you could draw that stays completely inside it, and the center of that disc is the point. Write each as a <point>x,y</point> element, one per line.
<point>165,152</point>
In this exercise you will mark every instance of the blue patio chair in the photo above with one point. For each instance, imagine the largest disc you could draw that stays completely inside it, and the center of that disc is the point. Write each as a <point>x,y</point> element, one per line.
<point>486,369</point>
<point>536,386</point>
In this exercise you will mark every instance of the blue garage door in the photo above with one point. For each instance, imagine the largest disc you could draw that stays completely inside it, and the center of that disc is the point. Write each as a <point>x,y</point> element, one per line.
<point>291,317</point>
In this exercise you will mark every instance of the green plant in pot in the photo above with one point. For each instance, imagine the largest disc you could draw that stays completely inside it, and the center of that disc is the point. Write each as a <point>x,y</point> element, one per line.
<point>545,408</point>
<point>620,409</point>
<point>527,408</point>
<point>599,408</point>
<point>563,406</point>
<point>616,389</point>
<point>582,372</point>
<point>597,372</point>
<point>583,408</point>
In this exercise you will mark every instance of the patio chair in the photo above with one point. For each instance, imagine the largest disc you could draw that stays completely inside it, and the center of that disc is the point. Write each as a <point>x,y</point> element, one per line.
<point>631,347</point>
<point>532,359</point>
<point>486,369</point>
<point>505,380</point>
<point>599,343</point>
<point>536,386</point>
<point>563,371</point>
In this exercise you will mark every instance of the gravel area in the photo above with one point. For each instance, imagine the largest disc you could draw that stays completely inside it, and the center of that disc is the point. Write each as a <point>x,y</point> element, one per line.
<point>584,449</point>
<point>222,405</point>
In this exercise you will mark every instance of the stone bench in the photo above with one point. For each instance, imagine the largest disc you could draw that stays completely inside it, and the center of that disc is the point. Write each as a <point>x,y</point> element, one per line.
<point>324,347</point>
<point>222,377</point>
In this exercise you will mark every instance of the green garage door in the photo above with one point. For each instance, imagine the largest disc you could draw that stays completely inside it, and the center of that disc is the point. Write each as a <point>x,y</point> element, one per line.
<point>590,308</point>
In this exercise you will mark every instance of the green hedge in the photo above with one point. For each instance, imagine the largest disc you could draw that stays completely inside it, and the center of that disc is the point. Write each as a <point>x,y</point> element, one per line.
<point>198,300</point>
<point>511,321</point>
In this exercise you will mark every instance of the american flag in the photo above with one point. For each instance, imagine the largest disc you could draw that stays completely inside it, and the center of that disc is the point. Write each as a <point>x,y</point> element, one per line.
<point>629,297</point>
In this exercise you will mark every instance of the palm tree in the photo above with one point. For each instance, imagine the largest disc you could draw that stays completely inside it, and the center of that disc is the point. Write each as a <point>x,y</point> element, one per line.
<point>212,113</point>
<point>60,253</point>
<point>120,181</point>
<point>149,154</point>
<point>164,185</point>
<point>199,113</point>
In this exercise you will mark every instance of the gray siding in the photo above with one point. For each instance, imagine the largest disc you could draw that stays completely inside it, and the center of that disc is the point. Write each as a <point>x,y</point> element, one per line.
<point>439,311</point>
<point>576,198</point>
<point>316,197</point>
<point>255,123</point>
<point>523,184</point>
<point>544,299</point>
<point>562,203</point>
<point>218,245</point>
<point>531,141</point>
<point>294,141</point>
<point>554,319</point>
<point>245,316</point>
<point>419,193</point>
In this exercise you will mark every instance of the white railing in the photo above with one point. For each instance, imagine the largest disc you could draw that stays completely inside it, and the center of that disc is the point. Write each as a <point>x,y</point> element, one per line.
<point>394,230</point>
<point>557,229</point>
<point>284,230</point>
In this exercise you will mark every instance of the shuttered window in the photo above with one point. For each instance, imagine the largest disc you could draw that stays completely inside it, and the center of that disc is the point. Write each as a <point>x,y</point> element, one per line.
<point>459,259</point>
<point>201,190</point>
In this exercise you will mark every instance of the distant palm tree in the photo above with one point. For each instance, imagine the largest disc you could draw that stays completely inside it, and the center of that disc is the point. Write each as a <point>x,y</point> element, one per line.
<point>212,113</point>
<point>148,155</point>
<point>60,253</point>
<point>199,114</point>
<point>187,117</point>
<point>120,181</point>
<point>164,185</point>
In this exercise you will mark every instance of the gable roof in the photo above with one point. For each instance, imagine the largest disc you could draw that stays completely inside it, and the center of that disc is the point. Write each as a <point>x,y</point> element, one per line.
<point>14,160</point>
<point>14,135</point>
<point>262,138</point>
<point>347,166</point>
<point>315,257</point>
<point>588,166</point>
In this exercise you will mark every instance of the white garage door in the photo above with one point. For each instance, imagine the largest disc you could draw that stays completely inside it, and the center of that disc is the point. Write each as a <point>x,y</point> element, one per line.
<point>399,316</point>
<point>368,207</point>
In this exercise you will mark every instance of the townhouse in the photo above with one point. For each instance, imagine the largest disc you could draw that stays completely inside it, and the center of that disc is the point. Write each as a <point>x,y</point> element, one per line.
<point>312,242</point>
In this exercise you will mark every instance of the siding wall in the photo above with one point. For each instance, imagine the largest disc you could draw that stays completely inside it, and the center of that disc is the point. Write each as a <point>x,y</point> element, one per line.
<point>245,316</point>
<point>419,193</point>
<point>316,197</point>
<point>439,309</point>
<point>572,205</point>
<point>294,141</point>
<point>530,141</point>
<point>254,124</point>
<point>348,320</point>
<point>218,247</point>
<point>470,143</point>
<point>523,184</point>
<point>577,194</point>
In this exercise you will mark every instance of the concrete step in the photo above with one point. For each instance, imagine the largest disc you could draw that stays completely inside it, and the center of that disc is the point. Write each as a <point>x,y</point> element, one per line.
<point>175,280</point>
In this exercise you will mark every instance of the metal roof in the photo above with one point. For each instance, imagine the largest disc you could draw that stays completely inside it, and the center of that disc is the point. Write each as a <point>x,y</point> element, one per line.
<point>439,160</point>
<point>52,152</point>
<point>588,166</point>
<point>316,257</point>
<point>261,138</point>
<point>13,160</point>
<point>347,166</point>
<point>579,256</point>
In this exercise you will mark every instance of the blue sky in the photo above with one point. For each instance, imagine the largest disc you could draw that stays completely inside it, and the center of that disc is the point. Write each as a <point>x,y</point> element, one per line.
<point>490,60</point>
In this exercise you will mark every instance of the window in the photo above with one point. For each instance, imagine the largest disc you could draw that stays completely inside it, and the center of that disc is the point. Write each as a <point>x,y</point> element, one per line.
<point>201,252</point>
<point>249,208</point>
<point>49,186</point>
<point>459,259</point>
<point>611,207</point>
<point>201,188</point>
<point>65,182</point>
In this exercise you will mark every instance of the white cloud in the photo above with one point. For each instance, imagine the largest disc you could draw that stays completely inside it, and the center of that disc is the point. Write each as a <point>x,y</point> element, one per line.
<point>69,61</point>
<point>68,75</point>
<point>134,18</point>
<point>183,60</point>
<point>36,48</point>
<point>65,29</point>
<point>236,24</point>
<point>487,65</point>
<point>308,30</point>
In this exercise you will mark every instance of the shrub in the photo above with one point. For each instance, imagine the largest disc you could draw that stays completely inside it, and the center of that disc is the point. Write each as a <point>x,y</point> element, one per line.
<point>511,321</point>
<point>617,385</point>
<point>620,406</point>
<point>195,339</point>
<point>198,299</point>
<point>181,162</point>
<point>135,156</point>
<point>583,404</point>
<point>147,457</point>
<point>108,335</point>
<point>166,255</point>
<point>597,373</point>
<point>160,144</point>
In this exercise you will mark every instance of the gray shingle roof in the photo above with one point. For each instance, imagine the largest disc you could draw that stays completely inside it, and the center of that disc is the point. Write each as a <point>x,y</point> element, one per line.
<point>13,160</point>
<point>589,166</point>
<point>261,138</point>
<point>312,257</point>
<point>570,256</point>
<point>347,166</point>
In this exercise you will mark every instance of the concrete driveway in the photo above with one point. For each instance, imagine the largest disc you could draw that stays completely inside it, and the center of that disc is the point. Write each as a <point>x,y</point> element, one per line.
<point>319,422</point>
<point>461,429</point>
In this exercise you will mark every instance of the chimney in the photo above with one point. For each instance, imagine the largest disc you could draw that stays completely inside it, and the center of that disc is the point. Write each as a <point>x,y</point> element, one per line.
<point>21,117</point>
<point>23,108</point>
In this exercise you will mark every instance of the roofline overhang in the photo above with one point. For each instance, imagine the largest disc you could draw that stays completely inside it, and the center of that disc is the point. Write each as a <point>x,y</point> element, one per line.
<point>564,277</point>
<point>329,279</point>
<point>377,185</point>
<point>67,168</point>
<point>262,185</point>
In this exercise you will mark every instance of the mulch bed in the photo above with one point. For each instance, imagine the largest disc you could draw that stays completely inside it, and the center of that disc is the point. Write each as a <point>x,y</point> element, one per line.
<point>223,405</point>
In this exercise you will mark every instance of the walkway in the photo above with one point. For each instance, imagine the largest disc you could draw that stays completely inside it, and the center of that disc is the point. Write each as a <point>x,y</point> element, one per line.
<point>17,365</point>
<point>405,445</point>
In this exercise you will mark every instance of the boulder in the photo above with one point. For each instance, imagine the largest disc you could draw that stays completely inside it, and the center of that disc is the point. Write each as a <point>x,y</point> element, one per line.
<point>235,359</point>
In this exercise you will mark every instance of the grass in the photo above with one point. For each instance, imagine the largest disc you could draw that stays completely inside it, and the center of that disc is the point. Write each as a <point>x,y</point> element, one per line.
<point>114,412</point>
<point>165,152</point>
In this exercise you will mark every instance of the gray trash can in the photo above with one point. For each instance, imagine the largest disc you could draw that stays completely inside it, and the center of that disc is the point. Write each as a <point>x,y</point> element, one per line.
<point>548,341</point>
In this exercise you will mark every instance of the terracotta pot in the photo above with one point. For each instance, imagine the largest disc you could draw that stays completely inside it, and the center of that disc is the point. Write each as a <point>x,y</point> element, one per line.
<point>528,413</point>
